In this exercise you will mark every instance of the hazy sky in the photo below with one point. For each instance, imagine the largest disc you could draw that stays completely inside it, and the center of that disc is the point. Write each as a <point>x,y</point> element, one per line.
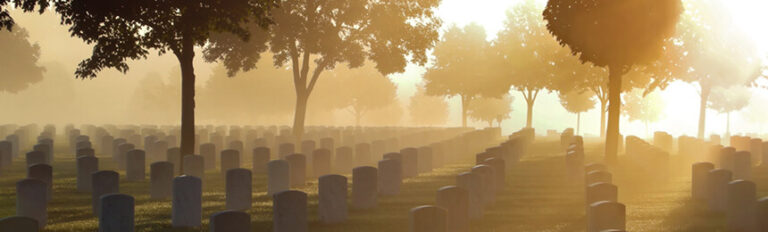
<point>114,89</point>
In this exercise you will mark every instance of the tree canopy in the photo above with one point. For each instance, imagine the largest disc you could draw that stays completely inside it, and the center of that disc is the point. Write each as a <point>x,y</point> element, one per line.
<point>490,110</point>
<point>426,110</point>
<point>577,101</point>
<point>7,22</point>
<point>727,100</point>
<point>19,62</point>
<point>643,107</point>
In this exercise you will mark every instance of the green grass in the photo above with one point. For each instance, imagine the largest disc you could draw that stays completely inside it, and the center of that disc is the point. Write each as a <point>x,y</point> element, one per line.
<point>538,197</point>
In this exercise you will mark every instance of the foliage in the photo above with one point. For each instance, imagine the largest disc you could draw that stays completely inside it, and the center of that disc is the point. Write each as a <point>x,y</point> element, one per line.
<point>19,61</point>
<point>426,110</point>
<point>645,108</point>
<point>577,101</point>
<point>727,100</point>
<point>491,109</point>
<point>7,22</point>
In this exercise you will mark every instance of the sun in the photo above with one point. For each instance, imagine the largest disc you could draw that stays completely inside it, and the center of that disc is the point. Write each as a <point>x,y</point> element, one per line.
<point>751,17</point>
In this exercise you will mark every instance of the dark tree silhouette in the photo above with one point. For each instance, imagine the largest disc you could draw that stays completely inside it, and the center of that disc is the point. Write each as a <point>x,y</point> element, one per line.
<point>330,32</point>
<point>7,22</point>
<point>128,30</point>
<point>18,61</point>
<point>616,34</point>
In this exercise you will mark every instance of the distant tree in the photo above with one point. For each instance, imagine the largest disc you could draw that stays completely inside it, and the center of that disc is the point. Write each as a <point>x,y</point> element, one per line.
<point>426,110</point>
<point>616,35</point>
<point>726,101</point>
<point>364,89</point>
<point>577,102</point>
<point>528,53</point>
<point>6,21</point>
<point>127,30</point>
<point>157,98</point>
<point>18,62</point>
<point>490,110</point>
<point>390,115</point>
<point>646,108</point>
<point>389,33</point>
<point>462,68</point>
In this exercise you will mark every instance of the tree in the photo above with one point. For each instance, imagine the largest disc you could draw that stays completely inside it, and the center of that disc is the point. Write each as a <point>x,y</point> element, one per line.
<point>616,35</point>
<point>19,61</point>
<point>426,110</point>
<point>389,33</point>
<point>528,53</point>
<point>577,102</point>
<point>462,68</point>
<point>6,21</point>
<point>643,107</point>
<point>127,30</point>
<point>726,101</point>
<point>365,90</point>
<point>491,110</point>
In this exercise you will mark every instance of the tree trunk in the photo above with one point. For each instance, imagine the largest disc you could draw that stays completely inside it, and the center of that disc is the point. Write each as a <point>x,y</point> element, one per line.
<point>614,113</point>
<point>464,104</point>
<point>578,123</point>
<point>186,59</point>
<point>529,115</point>
<point>300,114</point>
<point>705,90</point>
<point>602,118</point>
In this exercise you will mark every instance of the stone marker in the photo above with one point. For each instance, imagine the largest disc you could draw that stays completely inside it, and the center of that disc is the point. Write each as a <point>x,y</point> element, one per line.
<point>597,177</point>
<point>718,180</point>
<point>410,159</point>
<point>700,171</point>
<point>285,149</point>
<point>390,177</point>
<point>42,172</point>
<point>289,211</point>
<point>321,162</point>
<point>742,166</point>
<point>86,165</point>
<point>345,160</point>
<point>173,155</point>
<point>488,183</point>
<point>327,143</point>
<point>278,176</point>
<point>122,151</point>
<point>428,218</point>
<point>455,201</point>
<point>230,221</point>
<point>595,167</point>
<point>31,200</point>
<point>472,183</point>
<point>194,165</point>
<point>230,159</point>
<point>298,169</point>
<point>261,156</point>
<point>762,214</point>
<point>187,205</point>
<point>45,150</point>
<point>6,154</point>
<point>605,215</point>
<point>103,183</point>
<point>499,170</point>
<point>239,189</point>
<point>20,224</point>
<point>740,212</point>
<point>601,192</point>
<point>364,187</point>
<point>86,152</point>
<point>362,154</point>
<point>117,212</point>
<point>135,165</point>
<point>237,145</point>
<point>727,158</point>
<point>208,151</point>
<point>332,198</point>
<point>36,157</point>
<point>161,180</point>
<point>424,159</point>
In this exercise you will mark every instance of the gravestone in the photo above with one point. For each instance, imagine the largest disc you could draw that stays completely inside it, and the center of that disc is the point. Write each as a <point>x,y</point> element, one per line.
<point>42,172</point>
<point>298,169</point>
<point>117,213</point>
<point>239,189</point>
<point>173,155</point>
<point>86,165</point>
<point>332,199</point>
<point>740,212</point>
<point>597,177</point>
<point>230,221</point>
<point>115,147</point>
<point>103,182</point>
<point>410,162</point>
<point>289,211</point>
<point>428,218</point>
<point>455,201</point>
<point>321,162</point>
<point>424,159</point>
<point>261,155</point>
<point>727,158</point>
<point>606,215</point>
<point>237,145</point>
<point>6,154</point>
<point>36,157</point>
<point>135,165</point>
<point>718,180</point>
<point>390,177</point>
<point>488,183</point>
<point>700,172</point>
<point>230,159</point>
<point>122,151</point>
<point>364,187</point>
<point>31,200</point>
<point>345,160</point>
<point>472,183</point>
<point>278,176</point>
<point>601,192</point>
<point>285,149</point>
<point>43,148</point>
<point>742,166</point>
<point>86,152</point>
<point>499,170</point>
<point>20,224</point>
<point>194,165</point>
<point>393,156</point>
<point>106,145</point>
<point>307,147</point>
<point>595,167</point>
<point>480,157</point>
<point>208,151</point>
<point>187,201</point>
<point>161,180</point>
<point>362,154</point>
<point>762,213</point>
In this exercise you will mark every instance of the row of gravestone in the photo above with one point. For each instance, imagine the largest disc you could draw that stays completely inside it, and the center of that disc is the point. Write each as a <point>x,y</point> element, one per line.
<point>107,182</point>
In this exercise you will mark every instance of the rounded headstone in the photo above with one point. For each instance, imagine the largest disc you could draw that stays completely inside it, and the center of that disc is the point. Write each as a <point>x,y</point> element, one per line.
<point>285,149</point>
<point>42,172</point>
<point>410,159</point>
<point>597,177</point>
<point>239,189</point>
<point>117,213</point>
<point>332,199</point>
<point>289,211</point>
<point>742,166</point>
<point>321,162</point>
<point>20,224</point>
<point>161,180</point>
<point>31,200</point>
<point>103,183</point>
<point>488,183</point>
<point>499,170</point>
<point>717,184</point>
<point>86,165</point>
<point>187,205</point>
<point>230,159</point>
<point>390,177</point>
<point>699,174</point>
<point>261,156</point>
<point>601,192</point>
<point>278,176</point>
<point>135,165</point>
<point>298,169</point>
<point>86,152</point>
<point>364,187</point>
<point>36,157</point>
<point>740,212</point>
<point>605,215</point>
<point>455,201</point>
<point>230,221</point>
<point>428,218</point>
<point>472,183</point>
